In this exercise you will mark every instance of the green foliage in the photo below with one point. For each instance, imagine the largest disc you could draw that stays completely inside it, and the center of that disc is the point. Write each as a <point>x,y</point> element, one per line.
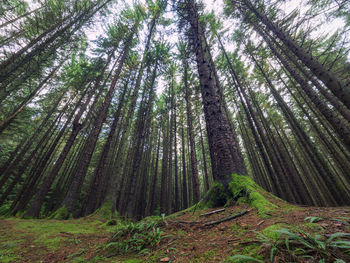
<point>271,231</point>
<point>312,219</point>
<point>4,209</point>
<point>298,245</point>
<point>136,237</point>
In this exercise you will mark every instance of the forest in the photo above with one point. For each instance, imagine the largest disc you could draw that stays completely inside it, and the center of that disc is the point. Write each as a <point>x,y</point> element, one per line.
<point>148,118</point>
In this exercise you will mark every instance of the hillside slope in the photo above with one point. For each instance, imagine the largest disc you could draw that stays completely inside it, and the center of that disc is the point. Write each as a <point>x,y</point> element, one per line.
<point>188,236</point>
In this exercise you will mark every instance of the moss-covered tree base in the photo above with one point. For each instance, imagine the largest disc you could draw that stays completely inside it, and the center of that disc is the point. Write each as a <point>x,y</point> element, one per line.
<point>241,189</point>
<point>61,214</point>
<point>105,212</point>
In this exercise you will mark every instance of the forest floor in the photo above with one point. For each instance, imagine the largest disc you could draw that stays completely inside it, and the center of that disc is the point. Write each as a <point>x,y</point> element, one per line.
<point>184,237</point>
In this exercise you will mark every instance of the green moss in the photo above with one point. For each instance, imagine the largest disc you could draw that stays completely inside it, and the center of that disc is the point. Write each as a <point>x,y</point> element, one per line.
<point>6,257</point>
<point>134,260</point>
<point>52,243</point>
<point>105,211</point>
<point>181,233</point>
<point>8,251</point>
<point>313,227</point>
<point>272,230</point>
<point>251,250</point>
<point>54,227</point>
<point>61,214</point>
<point>244,189</point>
<point>238,230</point>
<point>261,203</point>
<point>207,256</point>
<point>216,196</point>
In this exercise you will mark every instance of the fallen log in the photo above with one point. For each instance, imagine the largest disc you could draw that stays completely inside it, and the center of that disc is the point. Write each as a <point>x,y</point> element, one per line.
<point>226,218</point>
<point>213,212</point>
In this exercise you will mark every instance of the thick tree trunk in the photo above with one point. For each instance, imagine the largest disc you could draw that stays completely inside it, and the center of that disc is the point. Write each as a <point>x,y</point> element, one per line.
<point>225,154</point>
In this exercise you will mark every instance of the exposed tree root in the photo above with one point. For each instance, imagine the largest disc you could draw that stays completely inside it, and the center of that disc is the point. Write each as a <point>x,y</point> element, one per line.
<point>226,218</point>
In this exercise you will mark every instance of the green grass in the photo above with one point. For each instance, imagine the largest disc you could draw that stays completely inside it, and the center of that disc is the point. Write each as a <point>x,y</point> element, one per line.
<point>8,251</point>
<point>41,236</point>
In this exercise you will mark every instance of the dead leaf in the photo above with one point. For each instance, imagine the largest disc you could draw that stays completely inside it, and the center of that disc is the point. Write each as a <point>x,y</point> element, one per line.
<point>166,259</point>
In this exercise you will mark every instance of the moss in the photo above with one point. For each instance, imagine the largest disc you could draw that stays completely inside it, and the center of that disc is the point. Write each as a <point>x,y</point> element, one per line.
<point>181,233</point>
<point>261,203</point>
<point>105,211</point>
<point>244,189</point>
<point>238,230</point>
<point>272,230</point>
<point>207,256</point>
<point>216,196</point>
<point>195,208</point>
<point>61,214</point>
<point>251,250</point>
<point>45,228</point>
<point>8,251</point>
<point>134,260</point>
<point>52,243</point>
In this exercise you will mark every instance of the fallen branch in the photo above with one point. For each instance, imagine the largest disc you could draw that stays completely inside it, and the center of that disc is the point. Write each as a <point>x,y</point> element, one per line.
<point>213,212</point>
<point>186,222</point>
<point>226,218</point>
<point>258,224</point>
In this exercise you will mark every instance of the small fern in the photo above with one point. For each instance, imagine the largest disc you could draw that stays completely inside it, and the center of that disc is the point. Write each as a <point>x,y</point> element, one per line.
<point>297,245</point>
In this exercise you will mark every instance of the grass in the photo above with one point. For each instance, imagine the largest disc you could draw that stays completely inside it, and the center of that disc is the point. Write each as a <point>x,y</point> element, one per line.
<point>103,237</point>
<point>40,237</point>
<point>8,251</point>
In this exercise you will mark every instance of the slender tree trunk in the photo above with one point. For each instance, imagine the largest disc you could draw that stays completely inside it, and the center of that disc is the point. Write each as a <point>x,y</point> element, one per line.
<point>194,166</point>
<point>339,89</point>
<point>74,190</point>
<point>184,175</point>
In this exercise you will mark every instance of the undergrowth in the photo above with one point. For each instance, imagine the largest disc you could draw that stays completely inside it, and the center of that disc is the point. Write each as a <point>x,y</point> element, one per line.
<point>136,237</point>
<point>298,245</point>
